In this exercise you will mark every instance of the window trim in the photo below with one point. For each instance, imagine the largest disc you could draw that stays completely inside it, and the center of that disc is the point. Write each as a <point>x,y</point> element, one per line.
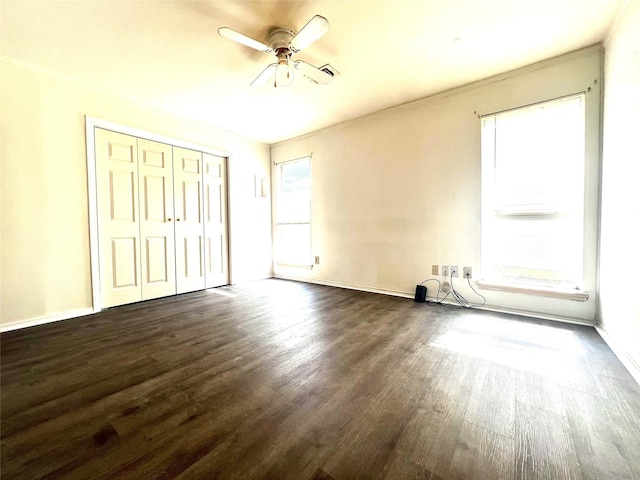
<point>554,291</point>
<point>282,262</point>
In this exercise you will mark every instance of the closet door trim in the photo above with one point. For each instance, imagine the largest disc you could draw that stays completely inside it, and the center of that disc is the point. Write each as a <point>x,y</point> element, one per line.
<point>90,124</point>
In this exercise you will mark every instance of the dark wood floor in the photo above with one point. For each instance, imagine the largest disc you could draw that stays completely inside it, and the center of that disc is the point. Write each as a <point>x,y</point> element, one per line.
<point>282,380</point>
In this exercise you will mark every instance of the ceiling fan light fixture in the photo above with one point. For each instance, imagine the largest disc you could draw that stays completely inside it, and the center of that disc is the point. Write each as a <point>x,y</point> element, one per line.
<point>284,72</point>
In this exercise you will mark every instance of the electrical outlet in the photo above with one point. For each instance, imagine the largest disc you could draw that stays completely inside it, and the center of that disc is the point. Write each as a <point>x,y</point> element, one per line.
<point>434,269</point>
<point>445,271</point>
<point>317,260</point>
<point>466,271</point>
<point>453,270</point>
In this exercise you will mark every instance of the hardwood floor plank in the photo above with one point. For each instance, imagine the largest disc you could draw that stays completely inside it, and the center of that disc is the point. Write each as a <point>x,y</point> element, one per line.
<point>493,399</point>
<point>606,440</point>
<point>430,437</point>
<point>481,453</point>
<point>541,392</point>
<point>544,446</point>
<point>54,458</point>
<point>260,441</point>
<point>41,412</point>
<point>399,468</point>
<point>321,475</point>
<point>368,439</point>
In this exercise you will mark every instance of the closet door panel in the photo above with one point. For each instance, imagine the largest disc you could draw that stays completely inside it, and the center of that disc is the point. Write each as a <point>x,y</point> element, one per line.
<point>124,260</point>
<point>157,264</point>
<point>117,192</point>
<point>157,240</point>
<point>189,224</point>
<point>215,221</point>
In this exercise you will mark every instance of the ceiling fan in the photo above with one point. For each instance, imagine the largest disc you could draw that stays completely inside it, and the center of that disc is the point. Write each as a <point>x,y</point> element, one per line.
<point>283,43</point>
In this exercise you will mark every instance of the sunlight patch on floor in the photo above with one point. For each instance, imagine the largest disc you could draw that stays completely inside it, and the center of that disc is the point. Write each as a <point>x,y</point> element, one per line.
<point>544,350</point>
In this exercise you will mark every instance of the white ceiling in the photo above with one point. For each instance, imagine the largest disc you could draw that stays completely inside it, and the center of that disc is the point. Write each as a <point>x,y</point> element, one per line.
<point>168,55</point>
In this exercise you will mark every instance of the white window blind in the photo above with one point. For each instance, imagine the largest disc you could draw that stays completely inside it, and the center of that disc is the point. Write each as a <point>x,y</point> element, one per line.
<point>294,213</point>
<point>533,167</point>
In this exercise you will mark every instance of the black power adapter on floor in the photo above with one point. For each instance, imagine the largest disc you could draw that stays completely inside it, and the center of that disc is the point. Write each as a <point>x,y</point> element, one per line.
<point>421,294</point>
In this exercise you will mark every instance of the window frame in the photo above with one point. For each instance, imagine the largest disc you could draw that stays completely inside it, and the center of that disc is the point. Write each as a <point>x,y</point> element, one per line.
<point>488,208</point>
<point>287,262</point>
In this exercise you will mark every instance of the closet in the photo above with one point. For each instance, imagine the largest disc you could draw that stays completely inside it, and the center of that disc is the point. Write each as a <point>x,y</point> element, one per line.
<point>162,226</point>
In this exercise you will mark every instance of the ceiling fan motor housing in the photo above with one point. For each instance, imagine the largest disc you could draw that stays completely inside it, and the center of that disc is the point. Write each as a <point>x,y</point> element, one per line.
<point>279,40</point>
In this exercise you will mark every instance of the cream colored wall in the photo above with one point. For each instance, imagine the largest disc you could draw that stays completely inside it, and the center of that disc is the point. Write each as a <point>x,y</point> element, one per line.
<point>396,192</point>
<point>619,308</point>
<point>45,258</point>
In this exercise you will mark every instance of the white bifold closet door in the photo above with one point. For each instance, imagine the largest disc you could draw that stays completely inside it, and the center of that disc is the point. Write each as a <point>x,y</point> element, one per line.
<point>162,219</point>
<point>215,221</point>
<point>189,226</point>
<point>157,237</point>
<point>119,226</point>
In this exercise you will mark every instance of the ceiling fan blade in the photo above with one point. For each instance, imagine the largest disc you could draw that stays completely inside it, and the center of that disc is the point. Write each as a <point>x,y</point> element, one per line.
<point>315,74</point>
<point>243,39</point>
<point>313,30</point>
<point>264,76</point>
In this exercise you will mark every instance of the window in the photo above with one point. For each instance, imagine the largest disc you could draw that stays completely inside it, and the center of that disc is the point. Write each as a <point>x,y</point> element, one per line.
<point>294,213</point>
<point>533,176</point>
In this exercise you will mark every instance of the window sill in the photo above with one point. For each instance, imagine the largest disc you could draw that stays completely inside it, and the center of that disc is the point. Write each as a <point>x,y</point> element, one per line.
<point>554,292</point>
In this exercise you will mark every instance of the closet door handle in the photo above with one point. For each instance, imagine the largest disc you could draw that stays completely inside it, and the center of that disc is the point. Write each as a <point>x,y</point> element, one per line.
<point>168,219</point>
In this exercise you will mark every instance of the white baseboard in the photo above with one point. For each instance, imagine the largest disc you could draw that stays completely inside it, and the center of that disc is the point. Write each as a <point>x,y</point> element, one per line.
<point>32,322</point>
<point>538,316</point>
<point>624,357</point>
<point>350,286</point>
<point>253,278</point>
